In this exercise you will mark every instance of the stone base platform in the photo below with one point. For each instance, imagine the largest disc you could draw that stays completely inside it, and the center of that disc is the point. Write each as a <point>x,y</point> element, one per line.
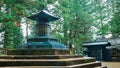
<point>87,65</point>
<point>39,56</point>
<point>37,52</point>
<point>47,61</point>
<point>45,58</point>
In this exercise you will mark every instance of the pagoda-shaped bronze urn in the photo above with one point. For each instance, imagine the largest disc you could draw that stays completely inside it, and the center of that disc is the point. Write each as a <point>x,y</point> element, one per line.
<point>42,43</point>
<point>43,39</point>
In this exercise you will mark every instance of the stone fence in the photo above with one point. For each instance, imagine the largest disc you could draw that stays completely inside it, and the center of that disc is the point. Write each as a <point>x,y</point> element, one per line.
<point>3,51</point>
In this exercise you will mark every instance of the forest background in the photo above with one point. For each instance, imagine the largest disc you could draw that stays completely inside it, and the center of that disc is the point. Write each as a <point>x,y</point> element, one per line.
<point>80,20</point>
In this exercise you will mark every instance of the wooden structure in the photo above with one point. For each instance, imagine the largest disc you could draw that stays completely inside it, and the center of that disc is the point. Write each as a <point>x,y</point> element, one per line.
<point>98,50</point>
<point>114,53</point>
<point>114,49</point>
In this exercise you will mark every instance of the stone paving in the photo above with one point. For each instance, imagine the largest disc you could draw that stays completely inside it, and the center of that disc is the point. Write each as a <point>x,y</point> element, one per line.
<point>111,64</point>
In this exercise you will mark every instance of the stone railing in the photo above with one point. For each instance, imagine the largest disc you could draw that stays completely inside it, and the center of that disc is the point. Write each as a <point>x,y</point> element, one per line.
<point>3,51</point>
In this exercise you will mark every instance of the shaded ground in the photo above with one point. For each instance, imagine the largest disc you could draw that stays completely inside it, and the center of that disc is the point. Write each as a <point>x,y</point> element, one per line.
<point>111,64</point>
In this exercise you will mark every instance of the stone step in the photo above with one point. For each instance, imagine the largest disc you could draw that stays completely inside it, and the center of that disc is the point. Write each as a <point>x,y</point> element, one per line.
<point>100,67</point>
<point>38,56</point>
<point>44,62</point>
<point>85,65</point>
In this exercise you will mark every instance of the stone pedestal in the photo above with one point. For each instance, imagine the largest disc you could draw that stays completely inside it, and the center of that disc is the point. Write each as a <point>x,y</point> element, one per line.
<point>37,52</point>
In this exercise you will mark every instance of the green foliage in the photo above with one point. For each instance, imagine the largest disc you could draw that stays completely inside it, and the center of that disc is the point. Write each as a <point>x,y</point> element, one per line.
<point>104,30</point>
<point>101,13</point>
<point>76,24</point>
<point>10,1</point>
<point>115,20</point>
<point>6,18</point>
<point>8,36</point>
<point>51,1</point>
<point>11,16</point>
<point>1,30</point>
<point>115,25</point>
